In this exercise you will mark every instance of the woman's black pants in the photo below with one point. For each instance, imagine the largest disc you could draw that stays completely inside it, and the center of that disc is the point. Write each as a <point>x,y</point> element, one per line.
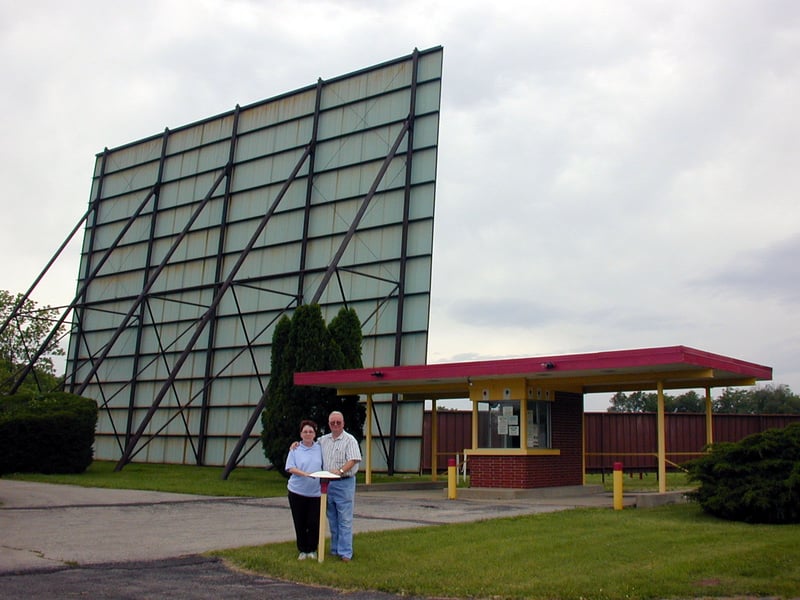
<point>305,514</point>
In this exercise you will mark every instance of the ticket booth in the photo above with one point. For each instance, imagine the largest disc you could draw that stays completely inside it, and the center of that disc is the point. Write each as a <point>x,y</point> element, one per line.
<point>525,435</point>
<point>527,413</point>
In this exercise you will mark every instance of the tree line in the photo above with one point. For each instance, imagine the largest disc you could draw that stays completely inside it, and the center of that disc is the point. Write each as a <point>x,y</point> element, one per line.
<point>24,326</point>
<point>768,399</point>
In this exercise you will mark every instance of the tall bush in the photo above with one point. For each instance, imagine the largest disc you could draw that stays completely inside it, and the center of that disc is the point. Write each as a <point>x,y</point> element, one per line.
<point>345,330</point>
<point>51,433</point>
<point>756,480</point>
<point>304,343</point>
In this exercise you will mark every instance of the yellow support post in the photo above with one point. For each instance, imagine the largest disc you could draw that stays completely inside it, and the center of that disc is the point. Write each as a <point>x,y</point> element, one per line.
<point>474,422</point>
<point>709,418</point>
<point>368,469</point>
<point>583,445</point>
<point>662,443</point>
<point>617,486</point>
<point>451,478</point>
<point>434,441</point>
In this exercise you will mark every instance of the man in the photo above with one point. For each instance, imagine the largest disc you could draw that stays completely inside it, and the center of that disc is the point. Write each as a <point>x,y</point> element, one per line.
<point>341,455</point>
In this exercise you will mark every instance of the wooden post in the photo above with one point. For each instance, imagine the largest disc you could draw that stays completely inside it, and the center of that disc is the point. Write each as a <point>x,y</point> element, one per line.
<point>323,519</point>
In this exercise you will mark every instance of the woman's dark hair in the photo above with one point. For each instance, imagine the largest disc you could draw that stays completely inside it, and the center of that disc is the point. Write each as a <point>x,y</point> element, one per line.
<point>306,422</point>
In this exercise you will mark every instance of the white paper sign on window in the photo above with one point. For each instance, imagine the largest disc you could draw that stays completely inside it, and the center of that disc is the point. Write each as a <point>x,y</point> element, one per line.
<point>502,425</point>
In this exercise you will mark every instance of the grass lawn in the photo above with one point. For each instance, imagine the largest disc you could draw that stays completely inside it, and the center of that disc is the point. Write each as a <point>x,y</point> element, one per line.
<point>641,482</point>
<point>668,552</point>
<point>187,479</point>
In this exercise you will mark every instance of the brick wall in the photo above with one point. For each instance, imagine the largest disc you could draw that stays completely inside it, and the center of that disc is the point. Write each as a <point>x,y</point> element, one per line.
<point>539,471</point>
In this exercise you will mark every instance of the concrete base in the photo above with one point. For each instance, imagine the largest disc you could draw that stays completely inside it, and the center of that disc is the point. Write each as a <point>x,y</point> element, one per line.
<point>404,486</point>
<point>652,499</point>
<point>567,491</point>
<point>588,495</point>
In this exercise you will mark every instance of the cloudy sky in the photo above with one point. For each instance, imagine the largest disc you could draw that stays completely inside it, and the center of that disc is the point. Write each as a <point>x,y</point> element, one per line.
<point>611,174</point>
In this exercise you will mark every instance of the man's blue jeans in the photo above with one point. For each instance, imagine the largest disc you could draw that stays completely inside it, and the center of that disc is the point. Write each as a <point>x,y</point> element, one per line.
<point>341,503</point>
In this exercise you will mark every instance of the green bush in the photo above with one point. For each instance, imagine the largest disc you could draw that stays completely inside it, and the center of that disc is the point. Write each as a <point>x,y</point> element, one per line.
<point>755,480</point>
<point>51,433</point>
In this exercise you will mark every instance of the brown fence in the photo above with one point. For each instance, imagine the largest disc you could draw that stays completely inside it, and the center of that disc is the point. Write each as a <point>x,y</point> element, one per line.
<point>629,438</point>
<point>454,432</point>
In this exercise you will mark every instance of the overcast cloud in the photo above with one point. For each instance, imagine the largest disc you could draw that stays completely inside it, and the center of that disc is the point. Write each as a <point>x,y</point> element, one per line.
<point>611,174</point>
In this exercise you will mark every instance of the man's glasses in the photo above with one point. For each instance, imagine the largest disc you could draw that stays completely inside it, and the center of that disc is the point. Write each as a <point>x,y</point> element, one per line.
<point>334,422</point>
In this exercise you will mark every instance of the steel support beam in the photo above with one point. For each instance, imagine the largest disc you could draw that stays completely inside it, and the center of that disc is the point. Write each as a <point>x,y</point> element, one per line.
<point>143,306</point>
<point>18,306</point>
<point>401,292</point>
<point>309,193</point>
<point>208,377</point>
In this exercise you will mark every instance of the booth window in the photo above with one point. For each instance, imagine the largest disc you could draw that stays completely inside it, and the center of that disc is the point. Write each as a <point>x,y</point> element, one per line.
<point>499,424</point>
<point>538,425</point>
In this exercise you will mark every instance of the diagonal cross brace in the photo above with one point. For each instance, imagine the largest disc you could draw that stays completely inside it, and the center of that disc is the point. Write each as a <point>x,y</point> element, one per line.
<point>106,255</point>
<point>361,211</point>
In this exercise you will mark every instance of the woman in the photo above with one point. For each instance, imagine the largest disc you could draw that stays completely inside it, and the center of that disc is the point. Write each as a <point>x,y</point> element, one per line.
<point>304,491</point>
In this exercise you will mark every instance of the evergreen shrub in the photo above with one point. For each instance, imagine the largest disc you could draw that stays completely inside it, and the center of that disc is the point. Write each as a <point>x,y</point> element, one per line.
<point>50,433</point>
<point>755,480</point>
<point>301,344</point>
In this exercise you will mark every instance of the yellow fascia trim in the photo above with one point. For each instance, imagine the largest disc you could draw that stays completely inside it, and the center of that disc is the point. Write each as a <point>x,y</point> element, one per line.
<point>649,380</point>
<point>512,452</point>
<point>497,389</point>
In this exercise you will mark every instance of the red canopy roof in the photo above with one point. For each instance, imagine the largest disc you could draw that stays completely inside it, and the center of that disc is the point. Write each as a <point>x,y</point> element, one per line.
<point>676,367</point>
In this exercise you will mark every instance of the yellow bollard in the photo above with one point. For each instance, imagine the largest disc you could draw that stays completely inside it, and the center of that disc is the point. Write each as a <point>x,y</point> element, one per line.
<point>451,478</point>
<point>617,486</point>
